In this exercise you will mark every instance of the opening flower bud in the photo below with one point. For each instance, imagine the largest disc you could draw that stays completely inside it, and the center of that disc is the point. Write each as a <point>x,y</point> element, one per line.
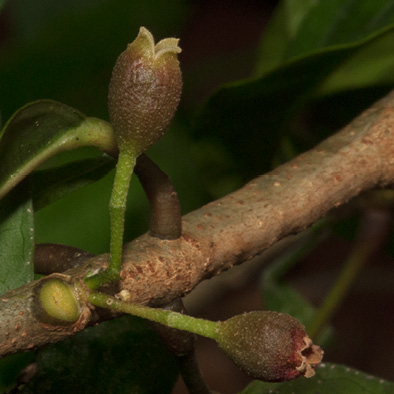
<point>269,346</point>
<point>144,91</point>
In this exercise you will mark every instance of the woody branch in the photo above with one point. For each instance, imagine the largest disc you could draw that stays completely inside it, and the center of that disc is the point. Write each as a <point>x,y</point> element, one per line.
<point>228,231</point>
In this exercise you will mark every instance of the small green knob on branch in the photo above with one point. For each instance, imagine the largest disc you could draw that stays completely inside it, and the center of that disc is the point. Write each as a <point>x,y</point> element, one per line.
<point>58,303</point>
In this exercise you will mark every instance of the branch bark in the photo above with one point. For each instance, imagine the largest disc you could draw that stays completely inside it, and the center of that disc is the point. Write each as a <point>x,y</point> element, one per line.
<point>228,231</point>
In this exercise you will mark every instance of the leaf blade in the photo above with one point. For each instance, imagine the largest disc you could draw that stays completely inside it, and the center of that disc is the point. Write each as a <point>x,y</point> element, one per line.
<point>41,129</point>
<point>16,239</point>
<point>329,379</point>
<point>55,183</point>
<point>304,27</point>
<point>263,107</point>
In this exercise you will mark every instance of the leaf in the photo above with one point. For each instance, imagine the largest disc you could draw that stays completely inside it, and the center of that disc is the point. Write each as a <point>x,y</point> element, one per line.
<point>372,65</point>
<point>311,25</point>
<point>251,117</point>
<point>283,26</point>
<point>329,379</point>
<point>55,183</point>
<point>16,265</point>
<point>16,239</point>
<point>340,22</point>
<point>2,3</point>
<point>119,356</point>
<point>10,368</point>
<point>41,129</point>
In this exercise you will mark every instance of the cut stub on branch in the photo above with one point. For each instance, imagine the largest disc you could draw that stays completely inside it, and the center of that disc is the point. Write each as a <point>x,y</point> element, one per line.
<point>166,219</point>
<point>51,258</point>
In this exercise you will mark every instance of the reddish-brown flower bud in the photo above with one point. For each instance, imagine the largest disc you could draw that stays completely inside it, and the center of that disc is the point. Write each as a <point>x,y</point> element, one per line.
<point>269,346</point>
<point>144,91</point>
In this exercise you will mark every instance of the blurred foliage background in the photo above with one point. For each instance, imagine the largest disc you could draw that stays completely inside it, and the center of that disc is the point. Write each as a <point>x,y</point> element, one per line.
<point>263,81</point>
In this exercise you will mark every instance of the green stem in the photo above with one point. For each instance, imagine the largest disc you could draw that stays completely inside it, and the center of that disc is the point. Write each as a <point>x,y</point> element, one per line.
<point>117,208</point>
<point>353,265</point>
<point>205,328</point>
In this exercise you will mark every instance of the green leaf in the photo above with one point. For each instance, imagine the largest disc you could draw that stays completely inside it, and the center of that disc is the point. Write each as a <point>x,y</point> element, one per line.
<point>303,27</point>
<point>372,65</point>
<point>339,22</point>
<point>2,3</point>
<point>10,369</point>
<point>119,356</point>
<point>41,129</point>
<point>16,239</point>
<point>55,183</point>
<point>329,379</point>
<point>283,26</point>
<point>250,117</point>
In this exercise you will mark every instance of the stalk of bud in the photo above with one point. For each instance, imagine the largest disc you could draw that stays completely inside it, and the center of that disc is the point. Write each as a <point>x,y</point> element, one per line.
<point>268,346</point>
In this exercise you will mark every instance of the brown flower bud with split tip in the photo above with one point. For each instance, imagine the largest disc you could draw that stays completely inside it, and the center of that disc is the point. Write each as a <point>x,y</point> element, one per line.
<point>269,346</point>
<point>144,91</point>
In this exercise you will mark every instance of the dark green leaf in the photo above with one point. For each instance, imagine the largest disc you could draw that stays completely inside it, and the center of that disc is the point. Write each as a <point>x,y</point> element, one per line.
<point>10,368</point>
<point>303,27</point>
<point>41,129</point>
<point>339,22</point>
<point>55,183</point>
<point>2,3</point>
<point>371,66</point>
<point>119,356</point>
<point>281,29</point>
<point>16,239</point>
<point>329,379</point>
<point>251,117</point>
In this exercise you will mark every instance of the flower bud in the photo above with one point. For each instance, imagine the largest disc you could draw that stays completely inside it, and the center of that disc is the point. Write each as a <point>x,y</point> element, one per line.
<point>269,346</point>
<point>144,91</point>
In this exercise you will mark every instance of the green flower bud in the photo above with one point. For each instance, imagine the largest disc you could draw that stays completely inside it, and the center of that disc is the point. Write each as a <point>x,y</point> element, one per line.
<point>269,346</point>
<point>58,302</point>
<point>144,91</point>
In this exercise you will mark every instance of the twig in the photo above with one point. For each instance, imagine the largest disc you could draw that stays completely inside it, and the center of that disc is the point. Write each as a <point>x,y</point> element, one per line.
<point>231,230</point>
